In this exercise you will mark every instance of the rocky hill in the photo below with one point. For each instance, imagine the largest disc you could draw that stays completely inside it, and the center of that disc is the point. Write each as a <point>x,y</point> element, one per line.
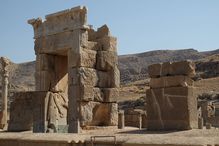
<point>134,67</point>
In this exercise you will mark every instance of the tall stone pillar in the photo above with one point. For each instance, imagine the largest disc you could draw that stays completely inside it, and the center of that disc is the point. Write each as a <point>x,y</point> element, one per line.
<point>4,73</point>
<point>74,63</point>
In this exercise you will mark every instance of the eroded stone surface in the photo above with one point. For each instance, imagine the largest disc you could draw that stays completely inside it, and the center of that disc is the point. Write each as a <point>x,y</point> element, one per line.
<point>170,101</point>
<point>186,68</point>
<point>74,59</point>
<point>4,73</point>
<point>171,81</point>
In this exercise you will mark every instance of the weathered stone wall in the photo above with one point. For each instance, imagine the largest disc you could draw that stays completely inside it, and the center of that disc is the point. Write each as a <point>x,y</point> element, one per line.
<point>31,110</point>
<point>23,110</point>
<point>74,59</point>
<point>171,104</point>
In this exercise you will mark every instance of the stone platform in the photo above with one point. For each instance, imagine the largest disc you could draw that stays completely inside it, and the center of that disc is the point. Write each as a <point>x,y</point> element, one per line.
<point>106,136</point>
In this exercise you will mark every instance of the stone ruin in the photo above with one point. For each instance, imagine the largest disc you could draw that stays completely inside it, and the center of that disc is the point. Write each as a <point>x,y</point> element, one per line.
<point>4,74</point>
<point>77,76</point>
<point>208,112</point>
<point>170,101</point>
<point>77,81</point>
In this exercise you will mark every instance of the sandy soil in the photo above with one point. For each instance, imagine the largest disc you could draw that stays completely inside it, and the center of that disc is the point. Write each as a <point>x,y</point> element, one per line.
<point>126,136</point>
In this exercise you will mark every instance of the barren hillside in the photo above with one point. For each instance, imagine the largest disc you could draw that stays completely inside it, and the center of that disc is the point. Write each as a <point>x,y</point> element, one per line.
<point>134,67</point>
<point>133,70</point>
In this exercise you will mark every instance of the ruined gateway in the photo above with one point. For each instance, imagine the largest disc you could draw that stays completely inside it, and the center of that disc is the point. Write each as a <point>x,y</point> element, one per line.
<point>77,81</point>
<point>77,76</point>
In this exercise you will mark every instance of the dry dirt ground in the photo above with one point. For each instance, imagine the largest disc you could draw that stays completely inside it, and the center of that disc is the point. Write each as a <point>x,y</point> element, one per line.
<point>127,136</point>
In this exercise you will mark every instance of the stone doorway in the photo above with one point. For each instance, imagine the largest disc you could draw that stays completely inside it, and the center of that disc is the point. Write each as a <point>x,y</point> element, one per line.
<point>74,59</point>
<point>52,77</point>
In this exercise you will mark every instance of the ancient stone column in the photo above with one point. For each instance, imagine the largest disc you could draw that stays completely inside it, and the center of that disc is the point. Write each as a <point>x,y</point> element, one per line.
<point>121,120</point>
<point>208,125</point>
<point>140,121</point>
<point>4,73</point>
<point>200,123</point>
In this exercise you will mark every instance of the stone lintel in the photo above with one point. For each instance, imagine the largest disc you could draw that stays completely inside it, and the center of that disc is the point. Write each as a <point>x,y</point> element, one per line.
<point>66,20</point>
<point>63,12</point>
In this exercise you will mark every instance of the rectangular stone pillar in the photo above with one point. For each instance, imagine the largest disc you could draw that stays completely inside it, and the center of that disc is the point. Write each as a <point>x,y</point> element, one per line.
<point>74,63</point>
<point>171,104</point>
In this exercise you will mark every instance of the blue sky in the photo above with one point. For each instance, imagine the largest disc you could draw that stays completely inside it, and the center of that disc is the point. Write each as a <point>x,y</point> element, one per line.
<point>139,25</point>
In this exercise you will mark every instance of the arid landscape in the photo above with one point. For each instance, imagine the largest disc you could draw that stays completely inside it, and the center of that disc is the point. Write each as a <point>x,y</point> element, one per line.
<point>79,91</point>
<point>134,73</point>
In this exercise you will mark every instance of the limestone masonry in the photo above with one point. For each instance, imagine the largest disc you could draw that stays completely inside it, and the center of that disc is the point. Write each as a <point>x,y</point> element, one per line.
<point>4,73</point>
<point>77,76</point>
<point>171,103</point>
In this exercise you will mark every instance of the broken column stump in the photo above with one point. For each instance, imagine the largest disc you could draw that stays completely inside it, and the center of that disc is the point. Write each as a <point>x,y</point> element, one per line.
<point>171,104</point>
<point>121,120</point>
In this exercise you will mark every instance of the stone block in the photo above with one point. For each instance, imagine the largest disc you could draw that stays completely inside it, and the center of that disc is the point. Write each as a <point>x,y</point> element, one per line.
<point>115,78</point>
<point>82,92</point>
<point>103,79</point>
<point>186,68</point>
<point>98,95</point>
<point>98,114</point>
<point>154,70</point>
<point>91,34</point>
<point>58,43</point>
<point>58,22</point>
<point>27,112</point>
<point>171,81</point>
<point>107,43</point>
<point>171,108</point>
<point>106,60</point>
<point>109,79</point>
<point>110,94</point>
<point>92,46</point>
<point>83,76</point>
<point>113,114</point>
<point>134,118</point>
<point>90,93</point>
<point>21,111</point>
<point>102,32</point>
<point>82,58</point>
